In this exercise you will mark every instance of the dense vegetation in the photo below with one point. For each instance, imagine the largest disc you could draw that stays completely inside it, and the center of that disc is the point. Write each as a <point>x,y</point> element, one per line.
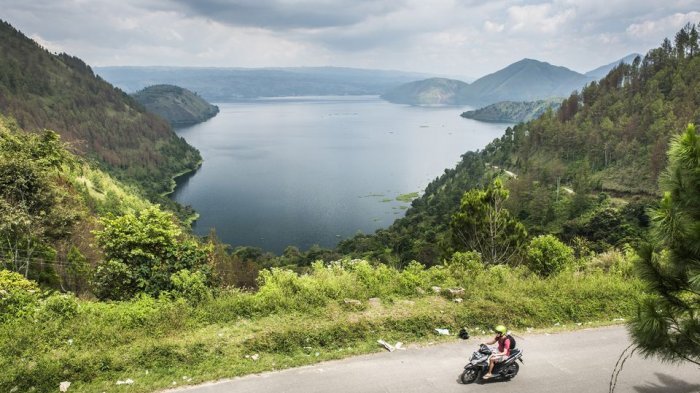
<point>60,92</point>
<point>513,112</point>
<point>585,173</point>
<point>176,105</point>
<point>338,309</point>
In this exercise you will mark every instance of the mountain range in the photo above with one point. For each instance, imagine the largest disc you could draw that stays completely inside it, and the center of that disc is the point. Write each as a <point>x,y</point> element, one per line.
<point>233,84</point>
<point>525,80</point>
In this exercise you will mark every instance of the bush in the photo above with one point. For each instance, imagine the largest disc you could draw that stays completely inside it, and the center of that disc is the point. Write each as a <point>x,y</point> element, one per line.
<point>59,306</point>
<point>17,295</point>
<point>191,286</point>
<point>11,281</point>
<point>114,280</point>
<point>546,255</point>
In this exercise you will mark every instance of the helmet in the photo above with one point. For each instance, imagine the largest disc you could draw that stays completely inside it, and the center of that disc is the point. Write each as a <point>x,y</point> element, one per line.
<point>463,333</point>
<point>500,329</point>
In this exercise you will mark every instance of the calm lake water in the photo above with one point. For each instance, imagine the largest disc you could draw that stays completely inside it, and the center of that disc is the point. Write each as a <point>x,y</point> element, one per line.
<point>315,170</point>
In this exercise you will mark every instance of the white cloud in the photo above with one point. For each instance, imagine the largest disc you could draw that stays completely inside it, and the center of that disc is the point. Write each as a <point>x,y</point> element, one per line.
<point>667,25</point>
<point>492,27</point>
<point>541,18</point>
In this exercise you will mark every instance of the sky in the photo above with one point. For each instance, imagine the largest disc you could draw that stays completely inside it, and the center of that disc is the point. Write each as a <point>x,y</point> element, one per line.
<point>465,39</point>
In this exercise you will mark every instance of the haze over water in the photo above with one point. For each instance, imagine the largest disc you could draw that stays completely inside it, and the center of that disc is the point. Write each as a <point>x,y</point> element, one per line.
<point>315,170</point>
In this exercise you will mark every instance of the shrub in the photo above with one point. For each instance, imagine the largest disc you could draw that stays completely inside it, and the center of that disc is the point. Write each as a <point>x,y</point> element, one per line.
<point>114,280</point>
<point>547,255</point>
<point>11,281</point>
<point>17,295</point>
<point>190,285</point>
<point>59,306</point>
<point>142,252</point>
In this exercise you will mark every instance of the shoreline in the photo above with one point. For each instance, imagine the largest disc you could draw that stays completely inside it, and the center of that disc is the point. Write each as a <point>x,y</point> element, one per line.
<point>173,182</point>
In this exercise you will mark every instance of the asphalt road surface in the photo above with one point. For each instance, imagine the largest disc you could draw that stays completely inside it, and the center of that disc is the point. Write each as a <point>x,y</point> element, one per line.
<point>579,361</point>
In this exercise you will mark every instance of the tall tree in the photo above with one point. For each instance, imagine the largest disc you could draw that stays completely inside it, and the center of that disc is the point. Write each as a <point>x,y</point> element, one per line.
<point>483,224</point>
<point>668,322</point>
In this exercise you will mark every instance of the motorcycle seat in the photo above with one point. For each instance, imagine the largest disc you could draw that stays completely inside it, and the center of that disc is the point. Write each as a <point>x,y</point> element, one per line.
<point>515,352</point>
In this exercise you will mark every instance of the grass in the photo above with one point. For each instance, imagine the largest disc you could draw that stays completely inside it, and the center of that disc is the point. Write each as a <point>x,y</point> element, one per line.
<point>291,321</point>
<point>407,198</point>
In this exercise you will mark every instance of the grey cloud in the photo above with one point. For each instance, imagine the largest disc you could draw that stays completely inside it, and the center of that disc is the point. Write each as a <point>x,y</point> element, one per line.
<point>287,14</point>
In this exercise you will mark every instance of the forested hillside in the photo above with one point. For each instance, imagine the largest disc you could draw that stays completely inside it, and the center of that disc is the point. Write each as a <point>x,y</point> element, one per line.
<point>512,112</point>
<point>585,172</point>
<point>60,92</point>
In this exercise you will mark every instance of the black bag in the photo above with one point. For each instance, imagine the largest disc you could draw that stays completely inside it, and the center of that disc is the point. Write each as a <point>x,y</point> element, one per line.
<point>512,342</point>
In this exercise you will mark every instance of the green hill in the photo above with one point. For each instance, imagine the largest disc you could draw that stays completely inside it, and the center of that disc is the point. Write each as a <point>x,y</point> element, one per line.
<point>434,91</point>
<point>525,80</point>
<point>60,92</point>
<point>175,104</point>
<point>511,111</point>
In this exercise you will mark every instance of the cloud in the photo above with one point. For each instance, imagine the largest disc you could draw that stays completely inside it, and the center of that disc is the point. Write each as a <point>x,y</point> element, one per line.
<point>541,18</point>
<point>666,25</point>
<point>492,27</point>
<point>288,14</point>
<point>453,37</point>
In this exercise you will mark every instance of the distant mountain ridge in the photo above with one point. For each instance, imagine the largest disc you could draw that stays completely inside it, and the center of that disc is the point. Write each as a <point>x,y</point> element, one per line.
<point>175,104</point>
<point>601,71</point>
<point>232,84</point>
<point>525,80</point>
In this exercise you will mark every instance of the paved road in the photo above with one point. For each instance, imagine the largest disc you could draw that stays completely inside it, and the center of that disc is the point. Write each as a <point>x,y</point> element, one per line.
<point>579,361</point>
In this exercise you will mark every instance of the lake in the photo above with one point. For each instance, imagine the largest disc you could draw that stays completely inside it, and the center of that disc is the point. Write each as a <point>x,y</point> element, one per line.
<point>315,170</point>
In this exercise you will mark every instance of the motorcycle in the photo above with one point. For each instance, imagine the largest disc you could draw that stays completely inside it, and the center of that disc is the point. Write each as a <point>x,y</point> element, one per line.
<point>478,365</point>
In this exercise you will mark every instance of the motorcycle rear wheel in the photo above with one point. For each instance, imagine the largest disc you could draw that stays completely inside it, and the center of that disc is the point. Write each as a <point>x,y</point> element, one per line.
<point>511,371</point>
<point>469,375</point>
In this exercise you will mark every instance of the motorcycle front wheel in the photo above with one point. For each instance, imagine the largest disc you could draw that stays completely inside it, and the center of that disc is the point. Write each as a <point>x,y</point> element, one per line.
<point>469,375</point>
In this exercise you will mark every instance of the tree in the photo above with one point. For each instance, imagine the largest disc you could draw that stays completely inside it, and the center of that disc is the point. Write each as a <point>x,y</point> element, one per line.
<point>142,252</point>
<point>483,224</point>
<point>667,324</point>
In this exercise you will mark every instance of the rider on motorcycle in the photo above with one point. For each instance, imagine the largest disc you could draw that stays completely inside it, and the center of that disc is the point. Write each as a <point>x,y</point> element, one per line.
<point>504,344</point>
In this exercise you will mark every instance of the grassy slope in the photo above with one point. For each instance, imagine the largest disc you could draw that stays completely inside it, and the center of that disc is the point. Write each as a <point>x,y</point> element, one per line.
<point>291,321</point>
